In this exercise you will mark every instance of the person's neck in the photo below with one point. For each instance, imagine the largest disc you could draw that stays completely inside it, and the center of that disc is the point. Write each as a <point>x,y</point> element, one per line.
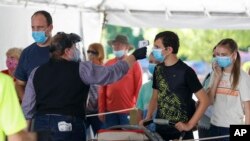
<point>97,62</point>
<point>65,57</point>
<point>171,60</point>
<point>228,69</point>
<point>11,72</point>
<point>47,43</point>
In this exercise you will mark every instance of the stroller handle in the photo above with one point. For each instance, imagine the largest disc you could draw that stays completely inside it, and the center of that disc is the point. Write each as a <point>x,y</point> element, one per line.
<point>163,122</point>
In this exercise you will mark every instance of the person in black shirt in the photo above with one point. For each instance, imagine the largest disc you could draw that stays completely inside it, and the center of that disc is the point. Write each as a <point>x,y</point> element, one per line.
<point>174,83</point>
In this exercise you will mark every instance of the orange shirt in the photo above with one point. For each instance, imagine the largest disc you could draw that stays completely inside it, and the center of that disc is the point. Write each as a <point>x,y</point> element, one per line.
<point>123,93</point>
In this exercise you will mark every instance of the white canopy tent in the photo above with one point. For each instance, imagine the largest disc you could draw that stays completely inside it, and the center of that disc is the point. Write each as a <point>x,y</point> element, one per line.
<point>86,17</point>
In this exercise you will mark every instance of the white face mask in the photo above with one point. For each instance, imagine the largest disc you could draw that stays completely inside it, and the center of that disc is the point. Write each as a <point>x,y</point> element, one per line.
<point>119,53</point>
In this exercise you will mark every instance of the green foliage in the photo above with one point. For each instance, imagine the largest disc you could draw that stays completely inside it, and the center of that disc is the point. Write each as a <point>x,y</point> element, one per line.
<point>110,32</point>
<point>195,44</point>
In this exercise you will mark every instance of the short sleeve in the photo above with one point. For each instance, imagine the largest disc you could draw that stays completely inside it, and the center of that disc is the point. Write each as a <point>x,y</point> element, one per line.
<point>11,116</point>
<point>192,80</point>
<point>20,72</point>
<point>244,86</point>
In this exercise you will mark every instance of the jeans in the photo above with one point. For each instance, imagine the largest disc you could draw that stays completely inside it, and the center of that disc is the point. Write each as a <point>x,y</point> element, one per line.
<point>219,131</point>
<point>60,127</point>
<point>170,133</point>
<point>95,123</point>
<point>204,133</point>
<point>116,119</point>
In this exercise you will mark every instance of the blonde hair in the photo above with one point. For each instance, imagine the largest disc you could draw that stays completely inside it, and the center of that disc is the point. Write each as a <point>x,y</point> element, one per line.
<point>14,52</point>
<point>98,48</point>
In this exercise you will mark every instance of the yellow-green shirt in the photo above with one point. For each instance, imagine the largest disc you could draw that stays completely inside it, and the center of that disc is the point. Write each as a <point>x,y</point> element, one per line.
<point>11,116</point>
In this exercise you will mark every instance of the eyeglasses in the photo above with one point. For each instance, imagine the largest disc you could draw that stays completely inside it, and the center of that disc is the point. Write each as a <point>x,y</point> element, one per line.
<point>92,52</point>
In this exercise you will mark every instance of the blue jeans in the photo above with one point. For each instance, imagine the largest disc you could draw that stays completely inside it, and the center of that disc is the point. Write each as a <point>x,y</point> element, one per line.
<point>204,127</point>
<point>219,131</point>
<point>116,119</point>
<point>50,124</point>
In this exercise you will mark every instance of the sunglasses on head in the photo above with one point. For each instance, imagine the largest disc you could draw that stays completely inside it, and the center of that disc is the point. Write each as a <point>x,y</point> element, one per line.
<point>92,52</point>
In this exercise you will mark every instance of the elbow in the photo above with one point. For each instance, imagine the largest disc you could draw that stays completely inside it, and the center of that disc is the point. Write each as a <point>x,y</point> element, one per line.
<point>211,100</point>
<point>205,102</point>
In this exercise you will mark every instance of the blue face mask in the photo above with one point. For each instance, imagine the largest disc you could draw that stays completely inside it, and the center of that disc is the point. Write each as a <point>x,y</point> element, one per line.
<point>157,55</point>
<point>224,61</point>
<point>119,53</point>
<point>151,68</point>
<point>39,36</point>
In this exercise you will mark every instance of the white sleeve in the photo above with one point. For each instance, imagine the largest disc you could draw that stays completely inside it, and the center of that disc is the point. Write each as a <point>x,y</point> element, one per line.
<point>244,88</point>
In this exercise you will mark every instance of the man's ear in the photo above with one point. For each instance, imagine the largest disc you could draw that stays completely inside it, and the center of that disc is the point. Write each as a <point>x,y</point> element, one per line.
<point>50,27</point>
<point>67,51</point>
<point>49,31</point>
<point>170,49</point>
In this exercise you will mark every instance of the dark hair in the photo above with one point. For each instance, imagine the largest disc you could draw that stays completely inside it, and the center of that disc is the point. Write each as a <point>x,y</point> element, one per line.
<point>233,47</point>
<point>169,39</point>
<point>45,14</point>
<point>61,41</point>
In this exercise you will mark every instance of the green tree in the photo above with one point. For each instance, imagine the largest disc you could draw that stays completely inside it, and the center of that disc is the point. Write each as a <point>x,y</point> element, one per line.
<point>195,44</point>
<point>110,32</point>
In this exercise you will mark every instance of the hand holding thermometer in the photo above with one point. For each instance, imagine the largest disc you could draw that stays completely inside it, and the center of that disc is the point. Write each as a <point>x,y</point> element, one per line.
<point>143,43</point>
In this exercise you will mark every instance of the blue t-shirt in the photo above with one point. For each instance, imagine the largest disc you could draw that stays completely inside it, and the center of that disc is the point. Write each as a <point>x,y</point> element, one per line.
<point>31,57</point>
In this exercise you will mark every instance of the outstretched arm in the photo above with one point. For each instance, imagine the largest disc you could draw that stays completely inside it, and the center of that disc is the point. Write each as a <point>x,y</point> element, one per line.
<point>103,75</point>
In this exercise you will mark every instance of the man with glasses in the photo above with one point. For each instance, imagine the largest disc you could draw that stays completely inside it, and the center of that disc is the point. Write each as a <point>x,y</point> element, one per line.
<point>37,53</point>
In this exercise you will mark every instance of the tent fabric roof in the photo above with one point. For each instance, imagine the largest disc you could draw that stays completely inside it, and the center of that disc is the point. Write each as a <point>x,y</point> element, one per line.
<point>205,14</point>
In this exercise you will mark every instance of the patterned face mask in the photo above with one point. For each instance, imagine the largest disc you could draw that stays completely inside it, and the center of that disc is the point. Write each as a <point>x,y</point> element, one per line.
<point>11,63</point>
